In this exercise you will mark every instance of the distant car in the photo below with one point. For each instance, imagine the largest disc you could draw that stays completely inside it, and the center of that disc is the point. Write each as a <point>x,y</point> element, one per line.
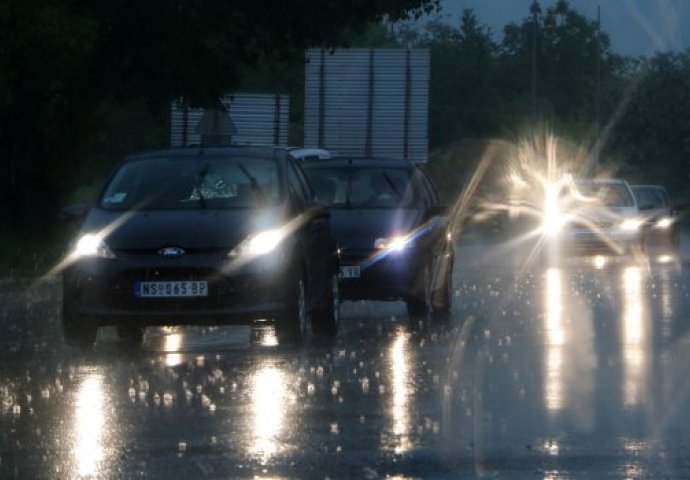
<point>203,236</point>
<point>598,216</point>
<point>392,232</point>
<point>660,214</point>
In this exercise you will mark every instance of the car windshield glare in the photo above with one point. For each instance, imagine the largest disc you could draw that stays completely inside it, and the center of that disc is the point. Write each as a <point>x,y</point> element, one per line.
<point>365,187</point>
<point>193,183</point>
<point>606,194</point>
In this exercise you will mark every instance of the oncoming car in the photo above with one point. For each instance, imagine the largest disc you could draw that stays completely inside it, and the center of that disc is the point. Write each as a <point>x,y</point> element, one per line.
<point>595,216</point>
<point>203,236</point>
<point>392,232</point>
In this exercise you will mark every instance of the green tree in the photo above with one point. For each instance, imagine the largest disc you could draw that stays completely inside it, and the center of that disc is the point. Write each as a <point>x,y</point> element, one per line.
<point>462,91</point>
<point>567,47</point>
<point>653,133</point>
<point>67,67</point>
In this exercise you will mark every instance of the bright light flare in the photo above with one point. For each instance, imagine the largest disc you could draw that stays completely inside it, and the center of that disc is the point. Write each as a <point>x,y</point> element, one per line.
<point>89,427</point>
<point>264,242</point>
<point>599,261</point>
<point>394,244</point>
<point>269,395</point>
<point>664,223</point>
<point>554,219</point>
<point>631,224</point>
<point>92,245</point>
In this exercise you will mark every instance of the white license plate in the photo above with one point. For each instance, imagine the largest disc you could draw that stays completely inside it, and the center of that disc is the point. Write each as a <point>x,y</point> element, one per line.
<point>171,289</point>
<point>350,271</point>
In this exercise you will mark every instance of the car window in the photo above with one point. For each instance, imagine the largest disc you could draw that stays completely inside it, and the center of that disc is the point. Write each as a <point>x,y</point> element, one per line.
<point>364,187</point>
<point>605,194</point>
<point>651,197</point>
<point>172,184</point>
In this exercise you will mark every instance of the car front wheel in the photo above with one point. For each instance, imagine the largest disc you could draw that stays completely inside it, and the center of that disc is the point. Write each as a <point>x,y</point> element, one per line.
<point>419,302</point>
<point>291,324</point>
<point>325,319</point>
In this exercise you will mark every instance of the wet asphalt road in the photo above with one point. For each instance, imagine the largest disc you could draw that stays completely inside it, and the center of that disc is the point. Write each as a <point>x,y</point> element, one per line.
<point>575,372</point>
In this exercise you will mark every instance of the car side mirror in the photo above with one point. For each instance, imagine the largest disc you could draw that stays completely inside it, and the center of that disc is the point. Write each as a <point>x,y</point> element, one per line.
<point>679,207</point>
<point>74,213</point>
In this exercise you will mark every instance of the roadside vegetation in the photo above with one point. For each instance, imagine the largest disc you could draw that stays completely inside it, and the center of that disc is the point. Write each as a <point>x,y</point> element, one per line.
<point>84,82</point>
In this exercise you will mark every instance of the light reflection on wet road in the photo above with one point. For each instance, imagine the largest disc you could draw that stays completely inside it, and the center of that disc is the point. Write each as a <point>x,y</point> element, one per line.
<point>569,372</point>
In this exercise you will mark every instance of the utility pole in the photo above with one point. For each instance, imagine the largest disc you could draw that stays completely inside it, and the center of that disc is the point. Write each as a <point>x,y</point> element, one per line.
<point>597,92</point>
<point>534,9</point>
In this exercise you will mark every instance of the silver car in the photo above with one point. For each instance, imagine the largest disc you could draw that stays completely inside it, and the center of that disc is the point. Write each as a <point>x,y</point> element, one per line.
<point>599,216</point>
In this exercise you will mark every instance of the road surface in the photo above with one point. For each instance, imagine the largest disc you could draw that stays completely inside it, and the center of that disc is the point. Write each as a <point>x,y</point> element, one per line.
<point>577,372</point>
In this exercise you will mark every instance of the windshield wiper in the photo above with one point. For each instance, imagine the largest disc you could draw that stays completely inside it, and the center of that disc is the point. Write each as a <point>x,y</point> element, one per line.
<point>392,186</point>
<point>256,188</point>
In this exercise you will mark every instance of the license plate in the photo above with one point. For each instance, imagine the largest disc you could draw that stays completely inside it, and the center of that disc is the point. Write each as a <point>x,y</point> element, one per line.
<point>349,271</point>
<point>171,289</point>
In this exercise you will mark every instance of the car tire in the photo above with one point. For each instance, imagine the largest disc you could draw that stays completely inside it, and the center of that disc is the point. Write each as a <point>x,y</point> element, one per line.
<point>78,330</point>
<point>291,324</point>
<point>325,320</point>
<point>419,302</point>
<point>131,335</point>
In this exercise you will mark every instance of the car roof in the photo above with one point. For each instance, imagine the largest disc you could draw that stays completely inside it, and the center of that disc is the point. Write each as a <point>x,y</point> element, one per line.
<point>375,162</point>
<point>601,181</point>
<point>647,187</point>
<point>195,151</point>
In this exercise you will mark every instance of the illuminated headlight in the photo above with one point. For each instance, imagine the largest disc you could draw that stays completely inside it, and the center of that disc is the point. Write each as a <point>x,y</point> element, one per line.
<point>664,222</point>
<point>553,224</point>
<point>91,245</point>
<point>631,224</point>
<point>394,244</point>
<point>258,244</point>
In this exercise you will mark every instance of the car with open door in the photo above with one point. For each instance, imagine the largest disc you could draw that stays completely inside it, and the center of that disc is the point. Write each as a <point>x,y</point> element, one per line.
<point>392,231</point>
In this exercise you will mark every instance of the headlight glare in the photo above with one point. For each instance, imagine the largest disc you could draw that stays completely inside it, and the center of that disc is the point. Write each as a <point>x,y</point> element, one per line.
<point>631,224</point>
<point>664,222</point>
<point>395,244</point>
<point>92,245</point>
<point>258,244</point>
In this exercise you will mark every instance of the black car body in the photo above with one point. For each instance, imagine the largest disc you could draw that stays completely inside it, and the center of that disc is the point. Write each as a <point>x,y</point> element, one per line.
<point>391,229</point>
<point>203,236</point>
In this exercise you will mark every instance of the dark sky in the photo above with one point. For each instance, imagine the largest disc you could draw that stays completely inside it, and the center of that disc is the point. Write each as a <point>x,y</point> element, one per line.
<point>636,27</point>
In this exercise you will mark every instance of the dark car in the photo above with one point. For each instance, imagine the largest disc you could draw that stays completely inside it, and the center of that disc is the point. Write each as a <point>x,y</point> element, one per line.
<point>203,236</point>
<point>660,214</point>
<point>393,235</point>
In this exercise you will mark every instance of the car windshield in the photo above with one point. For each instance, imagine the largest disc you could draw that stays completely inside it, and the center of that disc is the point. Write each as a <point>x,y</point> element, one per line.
<point>606,194</point>
<point>193,183</point>
<point>362,187</point>
<point>650,197</point>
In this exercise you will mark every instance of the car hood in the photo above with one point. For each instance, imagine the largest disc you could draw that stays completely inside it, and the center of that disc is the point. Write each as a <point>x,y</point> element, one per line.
<point>198,229</point>
<point>358,229</point>
<point>602,216</point>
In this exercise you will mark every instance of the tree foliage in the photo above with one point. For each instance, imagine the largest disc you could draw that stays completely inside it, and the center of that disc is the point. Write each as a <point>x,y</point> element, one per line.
<point>68,68</point>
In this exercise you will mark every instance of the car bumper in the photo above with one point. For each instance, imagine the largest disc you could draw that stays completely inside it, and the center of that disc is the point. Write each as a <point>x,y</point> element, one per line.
<point>104,290</point>
<point>583,242</point>
<point>388,276</point>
